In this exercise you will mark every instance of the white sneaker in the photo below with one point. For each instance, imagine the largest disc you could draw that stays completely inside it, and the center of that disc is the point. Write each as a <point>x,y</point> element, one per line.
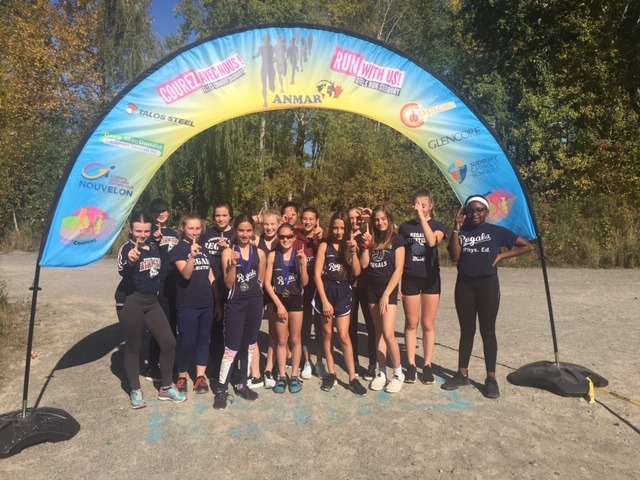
<point>269,381</point>
<point>321,372</point>
<point>306,371</point>
<point>395,384</point>
<point>255,382</point>
<point>378,383</point>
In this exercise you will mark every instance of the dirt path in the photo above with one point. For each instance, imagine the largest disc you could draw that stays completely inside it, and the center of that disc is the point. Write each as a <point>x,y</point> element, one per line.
<point>421,432</point>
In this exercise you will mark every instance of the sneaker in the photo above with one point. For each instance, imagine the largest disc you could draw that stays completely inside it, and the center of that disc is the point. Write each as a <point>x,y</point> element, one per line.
<point>395,384</point>
<point>412,373</point>
<point>321,371</point>
<point>458,380</point>
<point>328,382</point>
<point>255,382</point>
<point>269,381</point>
<point>294,385</point>
<point>200,385</point>
<point>137,399</point>
<point>306,371</point>
<point>181,384</point>
<point>378,383</point>
<point>152,374</point>
<point>172,394</point>
<point>491,389</point>
<point>220,399</point>
<point>356,387</point>
<point>427,376</point>
<point>281,385</point>
<point>371,373</point>
<point>243,391</point>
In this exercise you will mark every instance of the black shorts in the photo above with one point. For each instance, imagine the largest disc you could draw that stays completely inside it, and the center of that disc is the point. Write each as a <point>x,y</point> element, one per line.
<point>375,289</point>
<point>417,285</point>
<point>293,303</point>
<point>339,295</point>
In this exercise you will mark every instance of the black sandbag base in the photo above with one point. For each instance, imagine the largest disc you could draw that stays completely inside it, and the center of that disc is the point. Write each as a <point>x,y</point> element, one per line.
<point>39,425</point>
<point>567,379</point>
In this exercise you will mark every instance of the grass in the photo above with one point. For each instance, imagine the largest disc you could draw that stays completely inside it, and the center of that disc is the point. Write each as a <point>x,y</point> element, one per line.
<point>12,320</point>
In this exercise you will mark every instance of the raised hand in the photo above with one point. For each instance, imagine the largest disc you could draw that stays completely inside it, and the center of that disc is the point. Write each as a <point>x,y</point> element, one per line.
<point>158,233</point>
<point>223,243</point>
<point>195,247</point>
<point>134,254</point>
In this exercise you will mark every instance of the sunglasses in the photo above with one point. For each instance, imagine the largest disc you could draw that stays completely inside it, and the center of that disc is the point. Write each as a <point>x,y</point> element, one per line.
<point>477,211</point>
<point>286,237</point>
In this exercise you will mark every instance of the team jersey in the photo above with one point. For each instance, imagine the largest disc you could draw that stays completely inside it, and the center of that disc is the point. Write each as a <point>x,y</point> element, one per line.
<point>382,263</point>
<point>247,282</point>
<point>480,246</point>
<point>195,292</point>
<point>310,247</point>
<point>262,245</point>
<point>167,242</point>
<point>209,241</point>
<point>332,270</point>
<point>286,275</point>
<point>142,276</point>
<point>420,259</point>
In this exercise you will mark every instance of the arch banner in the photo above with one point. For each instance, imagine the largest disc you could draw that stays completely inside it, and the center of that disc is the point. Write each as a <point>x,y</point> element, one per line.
<point>261,69</point>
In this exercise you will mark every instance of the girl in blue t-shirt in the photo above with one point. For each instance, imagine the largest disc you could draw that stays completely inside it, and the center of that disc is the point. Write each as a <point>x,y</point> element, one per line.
<point>196,297</point>
<point>336,262</point>
<point>382,259</point>
<point>476,247</point>
<point>421,282</point>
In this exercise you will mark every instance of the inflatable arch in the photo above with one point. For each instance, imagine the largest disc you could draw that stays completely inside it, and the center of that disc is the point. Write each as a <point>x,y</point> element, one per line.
<point>256,70</point>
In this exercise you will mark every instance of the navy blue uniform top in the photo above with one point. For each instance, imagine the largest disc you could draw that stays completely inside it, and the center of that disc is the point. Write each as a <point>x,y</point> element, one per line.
<point>262,245</point>
<point>286,274</point>
<point>382,263</point>
<point>143,276</point>
<point>209,241</point>
<point>420,260</point>
<point>249,275</point>
<point>195,292</point>
<point>167,242</point>
<point>480,246</point>
<point>310,247</point>
<point>332,270</point>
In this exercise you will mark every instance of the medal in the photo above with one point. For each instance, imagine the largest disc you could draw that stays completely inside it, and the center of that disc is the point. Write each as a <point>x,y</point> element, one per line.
<point>285,293</point>
<point>244,287</point>
<point>285,274</point>
<point>246,269</point>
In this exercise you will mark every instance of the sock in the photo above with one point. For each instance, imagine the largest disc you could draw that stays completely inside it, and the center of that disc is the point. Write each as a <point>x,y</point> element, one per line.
<point>397,372</point>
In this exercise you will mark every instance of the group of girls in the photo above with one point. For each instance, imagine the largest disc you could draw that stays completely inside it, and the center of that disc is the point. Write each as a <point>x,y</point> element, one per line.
<point>305,280</point>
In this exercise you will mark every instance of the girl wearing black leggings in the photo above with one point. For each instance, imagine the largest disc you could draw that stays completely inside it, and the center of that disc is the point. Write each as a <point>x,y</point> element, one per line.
<point>476,247</point>
<point>137,307</point>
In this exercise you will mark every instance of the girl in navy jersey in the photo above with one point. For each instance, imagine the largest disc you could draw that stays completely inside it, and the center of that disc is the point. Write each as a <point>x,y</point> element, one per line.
<point>266,242</point>
<point>244,269</point>
<point>383,260</point>
<point>195,295</point>
<point>308,238</point>
<point>215,240</point>
<point>476,247</point>
<point>421,282</point>
<point>139,265</point>
<point>165,238</point>
<point>286,277</point>
<point>336,263</point>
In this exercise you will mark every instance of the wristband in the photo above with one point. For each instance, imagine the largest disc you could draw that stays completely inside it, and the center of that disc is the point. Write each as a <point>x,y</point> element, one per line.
<point>366,245</point>
<point>456,231</point>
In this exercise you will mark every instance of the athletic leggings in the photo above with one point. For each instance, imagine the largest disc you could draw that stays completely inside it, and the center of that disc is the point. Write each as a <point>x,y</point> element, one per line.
<point>167,300</point>
<point>194,332</point>
<point>481,297</point>
<point>242,323</point>
<point>142,310</point>
<point>360,298</point>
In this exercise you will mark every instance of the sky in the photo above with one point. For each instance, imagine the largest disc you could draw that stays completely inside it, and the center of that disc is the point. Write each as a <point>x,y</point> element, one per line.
<point>163,17</point>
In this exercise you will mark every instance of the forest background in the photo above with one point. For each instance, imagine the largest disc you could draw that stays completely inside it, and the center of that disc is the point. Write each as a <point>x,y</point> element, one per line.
<point>559,81</point>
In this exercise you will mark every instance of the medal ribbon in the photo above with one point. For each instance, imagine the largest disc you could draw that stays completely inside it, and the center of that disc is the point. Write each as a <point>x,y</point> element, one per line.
<point>245,265</point>
<point>285,268</point>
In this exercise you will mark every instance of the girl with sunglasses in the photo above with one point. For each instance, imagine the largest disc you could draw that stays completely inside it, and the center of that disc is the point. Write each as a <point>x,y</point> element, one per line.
<point>477,248</point>
<point>285,279</point>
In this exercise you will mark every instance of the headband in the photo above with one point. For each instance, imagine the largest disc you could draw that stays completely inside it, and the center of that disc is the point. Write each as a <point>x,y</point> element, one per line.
<point>476,198</point>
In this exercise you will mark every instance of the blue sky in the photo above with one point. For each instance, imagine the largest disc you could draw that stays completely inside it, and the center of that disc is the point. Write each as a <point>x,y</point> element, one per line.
<point>163,17</point>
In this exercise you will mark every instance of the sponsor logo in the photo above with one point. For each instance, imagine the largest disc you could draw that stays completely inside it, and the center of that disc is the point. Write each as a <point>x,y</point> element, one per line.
<point>111,184</point>
<point>86,225</point>
<point>367,74</point>
<point>133,109</point>
<point>132,143</point>
<point>484,166</point>
<point>413,115</point>
<point>207,79</point>
<point>454,138</point>
<point>296,99</point>
<point>458,171</point>
<point>327,87</point>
